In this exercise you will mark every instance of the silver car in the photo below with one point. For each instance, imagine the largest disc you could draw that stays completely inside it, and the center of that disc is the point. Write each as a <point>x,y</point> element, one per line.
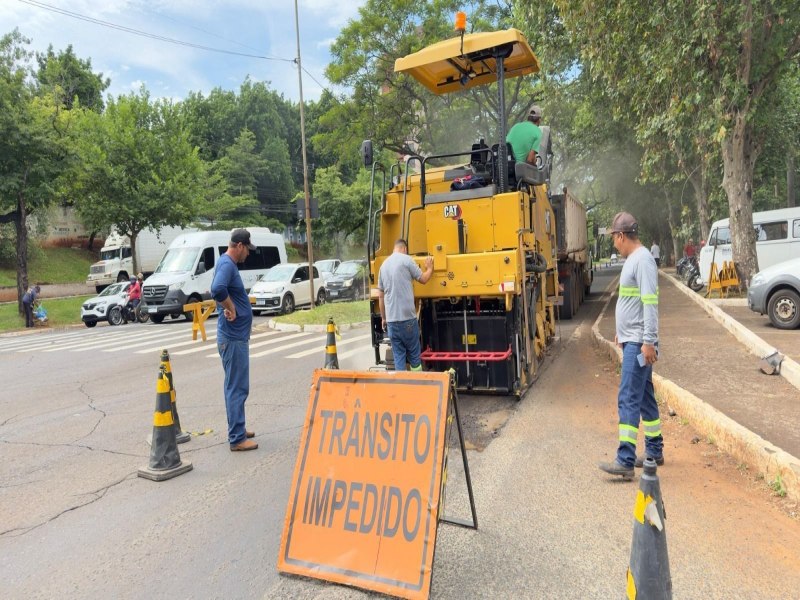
<point>775,291</point>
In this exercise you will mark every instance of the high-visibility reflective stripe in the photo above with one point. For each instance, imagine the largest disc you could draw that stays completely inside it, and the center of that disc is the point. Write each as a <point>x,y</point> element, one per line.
<point>330,349</point>
<point>627,291</point>
<point>649,298</point>
<point>162,419</point>
<point>652,428</point>
<point>627,433</point>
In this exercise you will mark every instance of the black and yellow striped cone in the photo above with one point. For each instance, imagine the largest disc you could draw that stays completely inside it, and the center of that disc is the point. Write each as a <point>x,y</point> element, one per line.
<point>331,359</point>
<point>181,436</point>
<point>165,461</point>
<point>648,574</point>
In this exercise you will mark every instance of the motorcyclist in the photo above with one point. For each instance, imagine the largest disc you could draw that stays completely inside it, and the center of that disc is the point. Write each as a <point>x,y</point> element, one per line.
<point>135,292</point>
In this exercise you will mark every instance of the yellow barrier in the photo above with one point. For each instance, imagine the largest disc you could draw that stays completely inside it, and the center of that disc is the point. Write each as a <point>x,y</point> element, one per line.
<point>200,312</point>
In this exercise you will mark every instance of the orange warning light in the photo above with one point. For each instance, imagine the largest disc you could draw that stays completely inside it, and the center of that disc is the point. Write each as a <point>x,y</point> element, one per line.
<point>461,21</point>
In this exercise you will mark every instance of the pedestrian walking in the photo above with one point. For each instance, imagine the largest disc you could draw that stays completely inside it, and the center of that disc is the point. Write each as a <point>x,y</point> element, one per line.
<point>656,252</point>
<point>233,336</point>
<point>637,334</point>
<point>396,301</point>
<point>28,302</point>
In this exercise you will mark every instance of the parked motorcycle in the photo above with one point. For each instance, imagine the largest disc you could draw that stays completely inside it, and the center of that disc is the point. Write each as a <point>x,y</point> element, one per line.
<point>683,264</point>
<point>691,275</point>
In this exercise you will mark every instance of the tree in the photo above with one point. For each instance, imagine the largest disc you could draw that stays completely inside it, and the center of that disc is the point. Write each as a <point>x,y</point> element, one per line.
<point>342,208</point>
<point>716,61</point>
<point>231,181</point>
<point>140,171</point>
<point>32,147</point>
<point>69,78</point>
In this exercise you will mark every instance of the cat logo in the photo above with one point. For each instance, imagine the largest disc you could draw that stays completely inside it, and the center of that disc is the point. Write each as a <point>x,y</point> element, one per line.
<point>452,211</point>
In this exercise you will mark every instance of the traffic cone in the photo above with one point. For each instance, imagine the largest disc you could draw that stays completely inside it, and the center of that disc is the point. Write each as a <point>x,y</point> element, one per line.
<point>331,359</point>
<point>165,461</point>
<point>648,573</point>
<point>180,435</point>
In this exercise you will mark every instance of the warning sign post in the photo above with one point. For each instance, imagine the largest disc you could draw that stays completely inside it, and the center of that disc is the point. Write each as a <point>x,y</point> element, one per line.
<point>365,498</point>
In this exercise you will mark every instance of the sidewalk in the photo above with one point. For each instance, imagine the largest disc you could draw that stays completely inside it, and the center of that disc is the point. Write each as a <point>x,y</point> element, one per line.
<point>702,358</point>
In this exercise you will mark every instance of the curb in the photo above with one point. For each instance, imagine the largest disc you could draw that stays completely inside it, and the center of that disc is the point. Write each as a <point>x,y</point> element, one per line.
<point>312,327</point>
<point>728,435</point>
<point>790,370</point>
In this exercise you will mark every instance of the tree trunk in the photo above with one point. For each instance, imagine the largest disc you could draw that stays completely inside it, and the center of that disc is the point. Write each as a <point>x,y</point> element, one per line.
<point>90,243</point>
<point>737,181</point>
<point>700,184</point>
<point>20,223</point>
<point>672,223</point>
<point>791,193</point>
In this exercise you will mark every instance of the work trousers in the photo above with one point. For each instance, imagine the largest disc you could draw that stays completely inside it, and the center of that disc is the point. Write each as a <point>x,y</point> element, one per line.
<point>28,308</point>
<point>235,355</point>
<point>637,399</point>
<point>404,337</point>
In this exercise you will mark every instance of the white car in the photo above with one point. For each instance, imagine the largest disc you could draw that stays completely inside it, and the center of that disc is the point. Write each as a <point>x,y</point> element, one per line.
<point>285,287</point>
<point>327,267</point>
<point>99,308</point>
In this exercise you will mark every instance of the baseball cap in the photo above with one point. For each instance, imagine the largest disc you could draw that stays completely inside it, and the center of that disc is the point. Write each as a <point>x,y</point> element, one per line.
<point>242,236</point>
<point>536,112</point>
<point>624,222</point>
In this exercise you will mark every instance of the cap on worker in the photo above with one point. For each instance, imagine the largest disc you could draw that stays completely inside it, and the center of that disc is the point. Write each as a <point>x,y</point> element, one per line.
<point>536,112</point>
<point>242,236</point>
<point>624,222</point>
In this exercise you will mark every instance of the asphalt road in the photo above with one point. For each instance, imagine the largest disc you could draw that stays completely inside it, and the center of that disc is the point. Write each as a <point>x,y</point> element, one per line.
<point>76,522</point>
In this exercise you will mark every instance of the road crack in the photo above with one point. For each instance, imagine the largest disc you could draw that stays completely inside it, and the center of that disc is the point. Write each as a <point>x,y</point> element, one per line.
<point>98,494</point>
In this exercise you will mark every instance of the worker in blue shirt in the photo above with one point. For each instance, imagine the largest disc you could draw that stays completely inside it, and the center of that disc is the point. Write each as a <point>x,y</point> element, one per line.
<point>233,336</point>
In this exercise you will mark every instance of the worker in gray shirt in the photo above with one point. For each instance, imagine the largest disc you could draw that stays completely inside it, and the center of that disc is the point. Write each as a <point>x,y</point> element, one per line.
<point>396,301</point>
<point>637,334</point>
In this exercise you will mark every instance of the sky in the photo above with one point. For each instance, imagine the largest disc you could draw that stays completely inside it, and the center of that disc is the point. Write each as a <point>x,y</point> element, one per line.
<point>264,28</point>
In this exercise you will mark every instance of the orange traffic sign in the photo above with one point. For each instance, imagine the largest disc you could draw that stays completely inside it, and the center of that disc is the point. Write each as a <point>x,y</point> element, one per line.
<point>364,503</point>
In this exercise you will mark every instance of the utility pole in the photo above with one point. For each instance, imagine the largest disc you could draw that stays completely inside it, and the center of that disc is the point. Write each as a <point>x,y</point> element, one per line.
<point>305,163</point>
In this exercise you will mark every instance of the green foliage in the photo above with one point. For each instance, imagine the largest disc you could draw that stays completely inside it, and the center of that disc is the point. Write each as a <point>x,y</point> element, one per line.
<point>777,486</point>
<point>60,312</point>
<point>139,169</point>
<point>51,265</point>
<point>69,79</point>
<point>343,208</point>
<point>216,125</point>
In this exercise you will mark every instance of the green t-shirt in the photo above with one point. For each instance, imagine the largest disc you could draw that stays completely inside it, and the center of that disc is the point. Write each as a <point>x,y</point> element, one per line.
<point>523,138</point>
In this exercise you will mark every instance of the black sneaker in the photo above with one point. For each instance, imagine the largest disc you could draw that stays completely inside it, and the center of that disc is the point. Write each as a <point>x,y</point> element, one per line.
<point>640,461</point>
<point>615,468</point>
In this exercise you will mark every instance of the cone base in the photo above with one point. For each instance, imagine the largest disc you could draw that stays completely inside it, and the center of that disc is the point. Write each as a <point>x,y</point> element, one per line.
<point>182,437</point>
<point>152,475</point>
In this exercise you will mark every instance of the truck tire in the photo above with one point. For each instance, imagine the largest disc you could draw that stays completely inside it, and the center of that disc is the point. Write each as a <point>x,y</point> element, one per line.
<point>157,318</point>
<point>188,314</point>
<point>565,311</point>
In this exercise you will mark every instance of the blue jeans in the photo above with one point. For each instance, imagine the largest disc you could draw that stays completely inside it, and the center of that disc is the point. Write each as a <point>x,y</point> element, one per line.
<point>235,355</point>
<point>636,399</point>
<point>404,336</point>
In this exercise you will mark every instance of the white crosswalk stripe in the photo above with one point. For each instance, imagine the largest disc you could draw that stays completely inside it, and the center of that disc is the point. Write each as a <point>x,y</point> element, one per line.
<point>207,346</point>
<point>321,349</point>
<point>145,339</point>
<point>292,336</point>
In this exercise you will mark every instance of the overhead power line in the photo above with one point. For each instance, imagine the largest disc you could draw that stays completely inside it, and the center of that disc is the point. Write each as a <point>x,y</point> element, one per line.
<point>146,34</point>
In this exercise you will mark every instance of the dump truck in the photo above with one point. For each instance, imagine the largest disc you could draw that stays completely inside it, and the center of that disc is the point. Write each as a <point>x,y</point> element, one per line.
<point>575,271</point>
<point>489,310</point>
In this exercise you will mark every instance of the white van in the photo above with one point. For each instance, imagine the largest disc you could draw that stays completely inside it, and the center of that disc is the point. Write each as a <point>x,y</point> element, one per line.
<point>777,240</point>
<point>185,272</point>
